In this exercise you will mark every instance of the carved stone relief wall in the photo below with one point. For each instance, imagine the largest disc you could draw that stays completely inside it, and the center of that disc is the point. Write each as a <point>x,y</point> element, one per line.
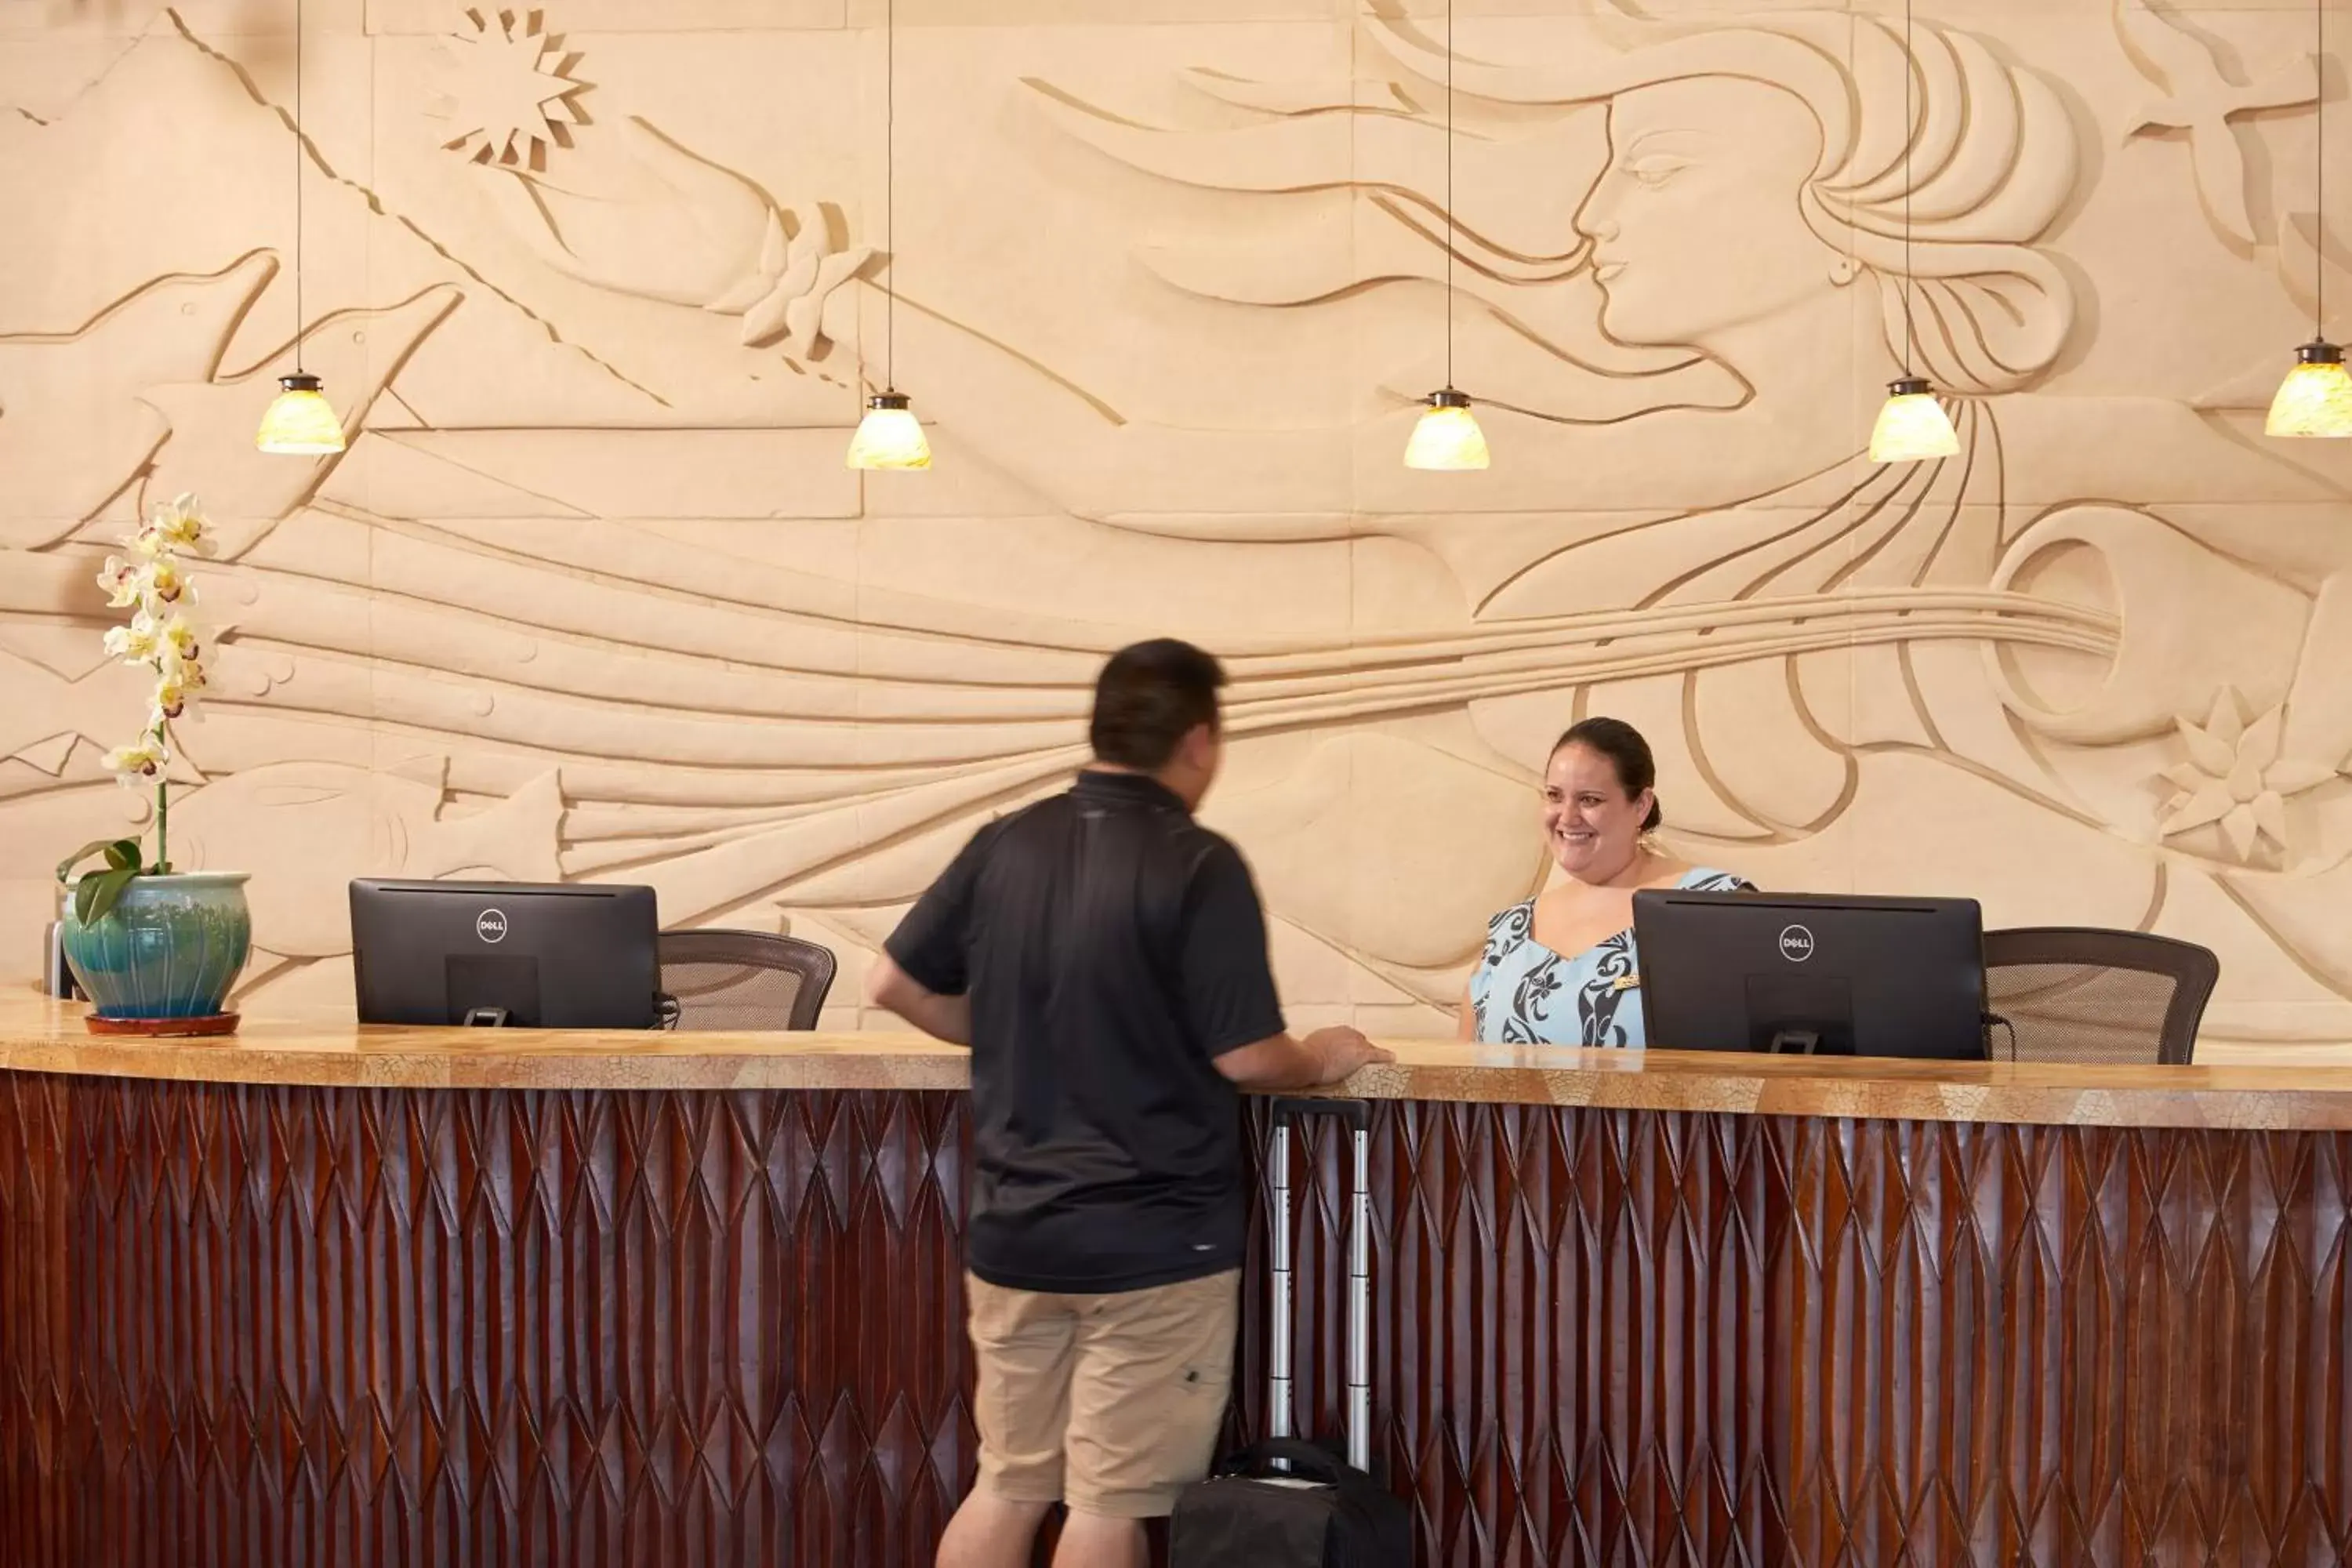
<point>598,288</point>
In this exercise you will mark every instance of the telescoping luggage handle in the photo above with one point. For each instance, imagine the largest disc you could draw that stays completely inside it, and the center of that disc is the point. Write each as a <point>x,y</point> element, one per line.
<point>1357,1115</point>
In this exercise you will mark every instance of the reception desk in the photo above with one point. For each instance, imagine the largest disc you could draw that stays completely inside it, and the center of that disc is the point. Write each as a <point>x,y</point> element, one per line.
<point>316,1295</point>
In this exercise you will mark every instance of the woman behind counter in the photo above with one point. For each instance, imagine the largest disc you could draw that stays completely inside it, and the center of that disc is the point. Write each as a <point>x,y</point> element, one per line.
<point>1562,968</point>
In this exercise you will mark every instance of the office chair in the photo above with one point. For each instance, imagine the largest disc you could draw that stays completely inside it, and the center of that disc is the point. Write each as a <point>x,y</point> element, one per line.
<point>744,979</point>
<point>2086,994</point>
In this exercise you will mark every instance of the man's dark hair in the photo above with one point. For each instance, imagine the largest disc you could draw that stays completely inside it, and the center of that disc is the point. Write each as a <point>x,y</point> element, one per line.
<point>1148,697</point>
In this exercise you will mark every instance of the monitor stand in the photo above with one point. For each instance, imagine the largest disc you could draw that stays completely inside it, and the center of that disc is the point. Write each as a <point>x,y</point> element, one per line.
<point>485,1017</point>
<point>1795,1043</point>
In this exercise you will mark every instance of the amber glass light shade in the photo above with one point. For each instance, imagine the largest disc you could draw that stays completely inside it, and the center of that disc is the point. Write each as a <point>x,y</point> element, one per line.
<point>1911,425</point>
<point>890,437</point>
<point>300,422</point>
<point>1446,437</point>
<point>2316,398</point>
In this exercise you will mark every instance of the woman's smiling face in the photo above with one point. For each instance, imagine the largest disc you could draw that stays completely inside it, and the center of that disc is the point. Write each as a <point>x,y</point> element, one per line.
<point>1590,825</point>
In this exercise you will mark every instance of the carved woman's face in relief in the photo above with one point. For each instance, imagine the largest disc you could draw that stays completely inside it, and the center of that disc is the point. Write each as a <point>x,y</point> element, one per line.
<point>1696,222</point>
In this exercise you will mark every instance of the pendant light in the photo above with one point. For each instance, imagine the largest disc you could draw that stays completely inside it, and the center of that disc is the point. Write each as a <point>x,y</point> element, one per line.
<point>1911,425</point>
<point>889,435</point>
<point>2316,398</point>
<point>299,422</point>
<point>1447,438</point>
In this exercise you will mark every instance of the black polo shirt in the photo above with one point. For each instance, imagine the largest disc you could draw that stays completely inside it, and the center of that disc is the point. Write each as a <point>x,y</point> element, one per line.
<point>1112,948</point>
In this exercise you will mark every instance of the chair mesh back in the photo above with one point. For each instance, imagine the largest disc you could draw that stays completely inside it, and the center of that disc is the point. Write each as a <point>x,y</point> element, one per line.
<point>2091,995</point>
<point>744,979</point>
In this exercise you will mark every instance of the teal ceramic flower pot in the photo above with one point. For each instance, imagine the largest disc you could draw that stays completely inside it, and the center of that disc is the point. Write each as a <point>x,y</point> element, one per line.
<point>170,948</point>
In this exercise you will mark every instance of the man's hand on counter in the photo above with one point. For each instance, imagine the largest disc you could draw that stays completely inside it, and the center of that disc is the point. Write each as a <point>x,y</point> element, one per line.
<point>1340,1050</point>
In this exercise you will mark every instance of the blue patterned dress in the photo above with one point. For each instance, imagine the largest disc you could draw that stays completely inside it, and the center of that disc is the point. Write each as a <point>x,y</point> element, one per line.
<point>1527,994</point>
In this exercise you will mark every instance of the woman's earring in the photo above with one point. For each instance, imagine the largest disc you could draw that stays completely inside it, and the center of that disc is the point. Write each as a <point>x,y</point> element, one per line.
<point>1843,270</point>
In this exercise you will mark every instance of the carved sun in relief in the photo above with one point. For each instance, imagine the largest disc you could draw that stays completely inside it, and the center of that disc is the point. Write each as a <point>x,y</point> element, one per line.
<point>507,96</point>
<point>2235,777</point>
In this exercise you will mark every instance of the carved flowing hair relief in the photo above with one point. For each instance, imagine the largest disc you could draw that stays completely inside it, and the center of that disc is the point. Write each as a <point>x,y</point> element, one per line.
<point>1993,162</point>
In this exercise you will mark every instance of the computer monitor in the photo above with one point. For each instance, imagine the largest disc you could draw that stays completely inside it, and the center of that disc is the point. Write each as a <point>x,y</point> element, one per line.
<point>1804,973</point>
<point>529,955</point>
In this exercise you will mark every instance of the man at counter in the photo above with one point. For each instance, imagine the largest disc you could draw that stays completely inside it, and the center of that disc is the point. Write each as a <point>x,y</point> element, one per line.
<point>1104,956</point>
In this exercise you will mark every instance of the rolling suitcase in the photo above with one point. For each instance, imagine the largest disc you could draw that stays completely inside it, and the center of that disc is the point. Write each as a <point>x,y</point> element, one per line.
<point>1285,1502</point>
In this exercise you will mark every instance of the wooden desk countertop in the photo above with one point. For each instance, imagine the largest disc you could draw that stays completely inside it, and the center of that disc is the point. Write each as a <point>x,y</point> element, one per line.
<point>2244,1087</point>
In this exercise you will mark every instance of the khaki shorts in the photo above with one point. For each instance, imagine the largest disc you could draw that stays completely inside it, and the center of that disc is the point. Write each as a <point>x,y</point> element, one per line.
<point>1111,1404</point>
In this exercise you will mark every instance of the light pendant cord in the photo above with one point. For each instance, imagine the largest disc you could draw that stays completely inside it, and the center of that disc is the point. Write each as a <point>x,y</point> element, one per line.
<point>2319,174</point>
<point>297,187</point>
<point>890,194</point>
<point>1450,219</point>
<point>1910,135</point>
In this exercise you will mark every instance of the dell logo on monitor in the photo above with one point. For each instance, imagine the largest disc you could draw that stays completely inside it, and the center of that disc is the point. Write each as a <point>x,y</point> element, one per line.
<point>491,925</point>
<point>1796,944</point>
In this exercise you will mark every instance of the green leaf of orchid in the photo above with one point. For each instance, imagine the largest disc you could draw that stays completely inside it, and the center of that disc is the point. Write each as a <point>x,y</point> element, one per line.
<point>96,896</point>
<point>66,866</point>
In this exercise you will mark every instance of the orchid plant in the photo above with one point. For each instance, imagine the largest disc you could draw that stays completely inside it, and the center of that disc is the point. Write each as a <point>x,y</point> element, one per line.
<point>161,636</point>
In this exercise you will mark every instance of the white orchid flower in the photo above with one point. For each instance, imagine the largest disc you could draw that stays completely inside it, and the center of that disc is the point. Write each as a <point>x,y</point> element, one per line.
<point>132,764</point>
<point>162,639</point>
<point>163,579</point>
<point>178,525</point>
<point>137,643</point>
<point>148,584</point>
<point>120,578</point>
<point>162,633</point>
<point>175,693</point>
<point>176,642</point>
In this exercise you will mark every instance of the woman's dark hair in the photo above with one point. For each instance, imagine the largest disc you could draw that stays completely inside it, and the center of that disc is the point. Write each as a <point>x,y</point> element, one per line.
<point>1148,697</point>
<point>1627,753</point>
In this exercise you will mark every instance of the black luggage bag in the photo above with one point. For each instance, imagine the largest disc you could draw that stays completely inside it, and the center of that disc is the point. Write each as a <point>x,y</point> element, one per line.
<point>1284,1502</point>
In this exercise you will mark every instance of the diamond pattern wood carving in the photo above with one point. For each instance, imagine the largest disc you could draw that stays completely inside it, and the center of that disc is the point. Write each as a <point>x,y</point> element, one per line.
<point>1631,1337</point>
<point>336,1327</point>
<point>315,1327</point>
